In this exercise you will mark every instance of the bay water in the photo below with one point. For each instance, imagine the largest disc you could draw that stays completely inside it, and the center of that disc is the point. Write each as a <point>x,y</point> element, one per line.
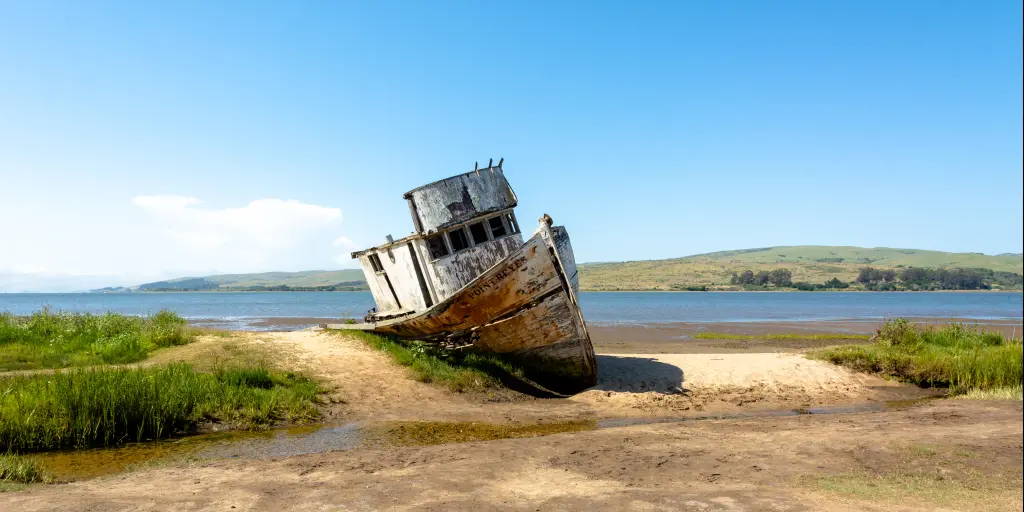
<point>249,310</point>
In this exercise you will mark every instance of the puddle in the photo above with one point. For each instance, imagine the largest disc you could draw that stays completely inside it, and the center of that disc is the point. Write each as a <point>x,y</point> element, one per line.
<point>293,441</point>
<point>70,465</point>
<point>423,433</point>
<point>892,405</point>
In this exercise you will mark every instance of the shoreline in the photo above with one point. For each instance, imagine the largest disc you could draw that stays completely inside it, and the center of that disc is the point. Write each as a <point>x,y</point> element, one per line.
<point>671,337</point>
<point>638,290</point>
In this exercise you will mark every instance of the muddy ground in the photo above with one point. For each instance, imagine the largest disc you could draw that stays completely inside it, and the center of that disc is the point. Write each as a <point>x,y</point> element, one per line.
<point>647,443</point>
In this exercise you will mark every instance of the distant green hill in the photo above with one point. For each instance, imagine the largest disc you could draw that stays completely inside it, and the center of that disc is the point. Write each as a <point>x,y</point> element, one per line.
<point>349,279</point>
<point>807,263</point>
<point>810,263</point>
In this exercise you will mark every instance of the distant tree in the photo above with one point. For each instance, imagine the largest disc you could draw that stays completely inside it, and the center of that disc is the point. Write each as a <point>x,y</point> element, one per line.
<point>914,276</point>
<point>805,286</point>
<point>781,277</point>
<point>747,277</point>
<point>763,278</point>
<point>866,275</point>
<point>874,275</point>
<point>835,283</point>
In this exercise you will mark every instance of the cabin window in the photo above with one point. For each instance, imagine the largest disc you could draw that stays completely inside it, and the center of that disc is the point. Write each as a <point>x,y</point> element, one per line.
<point>513,226</point>
<point>375,263</point>
<point>458,239</point>
<point>479,233</point>
<point>436,246</point>
<point>497,227</point>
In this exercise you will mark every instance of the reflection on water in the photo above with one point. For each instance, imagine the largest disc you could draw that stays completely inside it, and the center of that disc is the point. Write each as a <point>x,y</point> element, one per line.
<point>293,441</point>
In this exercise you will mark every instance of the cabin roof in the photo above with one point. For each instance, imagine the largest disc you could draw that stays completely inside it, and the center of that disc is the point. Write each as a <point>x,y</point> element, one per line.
<point>447,217</point>
<point>408,194</point>
<point>388,245</point>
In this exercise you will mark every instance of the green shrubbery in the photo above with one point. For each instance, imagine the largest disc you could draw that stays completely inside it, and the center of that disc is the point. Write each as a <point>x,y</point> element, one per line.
<point>960,357</point>
<point>458,372</point>
<point>109,406</point>
<point>21,470</point>
<point>59,340</point>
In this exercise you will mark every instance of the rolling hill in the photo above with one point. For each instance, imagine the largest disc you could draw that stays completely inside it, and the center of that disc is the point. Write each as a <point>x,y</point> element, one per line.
<point>349,279</point>
<point>810,263</point>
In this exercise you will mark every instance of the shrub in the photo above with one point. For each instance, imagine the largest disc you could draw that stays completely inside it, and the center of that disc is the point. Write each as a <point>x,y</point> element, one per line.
<point>960,357</point>
<point>459,372</point>
<point>108,406</point>
<point>21,470</point>
<point>58,340</point>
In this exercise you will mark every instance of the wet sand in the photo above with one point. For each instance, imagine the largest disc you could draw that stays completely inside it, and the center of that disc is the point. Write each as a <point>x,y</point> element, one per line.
<point>678,338</point>
<point>670,338</point>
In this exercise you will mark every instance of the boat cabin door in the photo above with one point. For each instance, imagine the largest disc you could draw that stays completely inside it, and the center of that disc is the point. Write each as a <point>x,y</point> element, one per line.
<point>383,282</point>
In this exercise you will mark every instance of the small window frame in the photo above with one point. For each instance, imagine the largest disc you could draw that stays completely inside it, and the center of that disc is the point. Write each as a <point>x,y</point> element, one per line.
<point>443,239</point>
<point>511,223</point>
<point>464,242</point>
<point>492,228</point>
<point>484,230</point>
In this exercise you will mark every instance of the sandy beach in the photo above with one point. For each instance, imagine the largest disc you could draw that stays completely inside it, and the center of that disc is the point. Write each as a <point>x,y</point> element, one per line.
<point>661,431</point>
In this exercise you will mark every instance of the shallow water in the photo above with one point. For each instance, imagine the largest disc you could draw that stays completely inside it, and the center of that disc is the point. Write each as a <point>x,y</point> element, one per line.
<point>70,465</point>
<point>244,310</point>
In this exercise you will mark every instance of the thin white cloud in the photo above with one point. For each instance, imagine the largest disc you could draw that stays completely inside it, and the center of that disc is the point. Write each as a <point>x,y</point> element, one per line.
<point>344,241</point>
<point>345,259</point>
<point>265,234</point>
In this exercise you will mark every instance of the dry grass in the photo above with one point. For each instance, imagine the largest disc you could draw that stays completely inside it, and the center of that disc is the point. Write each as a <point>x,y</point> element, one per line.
<point>1004,393</point>
<point>18,469</point>
<point>927,476</point>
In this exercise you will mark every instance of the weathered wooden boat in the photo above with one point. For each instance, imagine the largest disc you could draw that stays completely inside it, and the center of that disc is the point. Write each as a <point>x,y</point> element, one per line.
<point>466,280</point>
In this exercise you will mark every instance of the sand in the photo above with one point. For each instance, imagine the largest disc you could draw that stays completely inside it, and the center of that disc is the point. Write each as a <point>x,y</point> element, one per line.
<point>757,463</point>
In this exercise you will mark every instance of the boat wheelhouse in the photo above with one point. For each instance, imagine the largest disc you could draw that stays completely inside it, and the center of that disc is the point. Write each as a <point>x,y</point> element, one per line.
<point>466,280</point>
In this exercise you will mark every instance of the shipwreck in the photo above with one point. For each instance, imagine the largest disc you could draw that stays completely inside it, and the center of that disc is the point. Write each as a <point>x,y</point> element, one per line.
<point>466,280</point>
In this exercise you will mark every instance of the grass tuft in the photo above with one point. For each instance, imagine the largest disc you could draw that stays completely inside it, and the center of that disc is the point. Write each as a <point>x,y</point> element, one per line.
<point>459,372</point>
<point>1005,393</point>
<point>59,340</point>
<point>961,357</point>
<point>21,470</point>
<point>109,406</point>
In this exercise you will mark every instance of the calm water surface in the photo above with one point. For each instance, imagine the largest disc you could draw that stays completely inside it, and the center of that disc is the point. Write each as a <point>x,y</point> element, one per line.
<point>243,310</point>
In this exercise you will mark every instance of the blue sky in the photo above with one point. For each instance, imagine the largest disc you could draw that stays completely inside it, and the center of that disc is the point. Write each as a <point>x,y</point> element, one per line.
<point>143,140</point>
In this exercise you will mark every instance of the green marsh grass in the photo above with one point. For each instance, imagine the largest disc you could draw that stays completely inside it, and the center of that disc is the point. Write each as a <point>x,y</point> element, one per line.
<point>59,340</point>
<point>108,406</point>
<point>961,357</point>
<point>1005,393</point>
<point>18,469</point>
<point>779,336</point>
<point>459,372</point>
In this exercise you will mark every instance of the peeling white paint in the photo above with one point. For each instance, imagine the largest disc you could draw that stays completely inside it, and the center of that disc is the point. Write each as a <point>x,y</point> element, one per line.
<point>460,198</point>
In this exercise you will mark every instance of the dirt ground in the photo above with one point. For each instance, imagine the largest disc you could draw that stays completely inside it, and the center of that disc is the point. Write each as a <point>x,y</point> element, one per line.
<point>940,454</point>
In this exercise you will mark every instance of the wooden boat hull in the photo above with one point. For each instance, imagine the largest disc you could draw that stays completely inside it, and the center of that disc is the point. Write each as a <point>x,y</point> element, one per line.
<point>524,308</point>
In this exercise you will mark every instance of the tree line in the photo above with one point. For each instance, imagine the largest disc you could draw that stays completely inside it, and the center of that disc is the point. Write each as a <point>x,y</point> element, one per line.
<point>875,279</point>
<point>779,277</point>
<point>922,278</point>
